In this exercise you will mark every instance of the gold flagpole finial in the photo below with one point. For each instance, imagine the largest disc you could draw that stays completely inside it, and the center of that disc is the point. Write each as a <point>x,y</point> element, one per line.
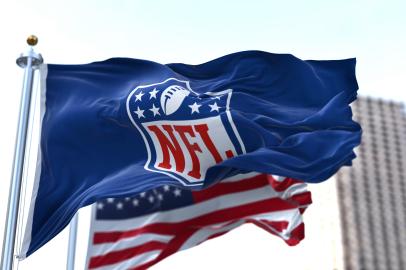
<point>32,40</point>
<point>36,58</point>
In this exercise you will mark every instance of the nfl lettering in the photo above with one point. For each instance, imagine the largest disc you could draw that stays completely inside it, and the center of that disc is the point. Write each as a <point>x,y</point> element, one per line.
<point>185,133</point>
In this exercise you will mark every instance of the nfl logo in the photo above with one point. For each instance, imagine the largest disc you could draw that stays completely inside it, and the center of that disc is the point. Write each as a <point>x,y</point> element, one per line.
<point>185,132</point>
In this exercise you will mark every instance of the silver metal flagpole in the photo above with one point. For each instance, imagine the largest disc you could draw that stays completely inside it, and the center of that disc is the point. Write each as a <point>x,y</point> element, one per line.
<point>30,61</point>
<point>73,231</point>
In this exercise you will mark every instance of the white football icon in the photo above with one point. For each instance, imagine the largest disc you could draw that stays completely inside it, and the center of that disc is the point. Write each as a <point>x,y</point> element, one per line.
<point>172,98</point>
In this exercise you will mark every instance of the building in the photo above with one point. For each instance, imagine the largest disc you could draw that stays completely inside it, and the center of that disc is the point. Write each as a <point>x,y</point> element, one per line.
<point>372,193</point>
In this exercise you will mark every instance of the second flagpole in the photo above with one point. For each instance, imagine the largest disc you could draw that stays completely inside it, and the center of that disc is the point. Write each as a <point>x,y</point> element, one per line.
<point>73,231</point>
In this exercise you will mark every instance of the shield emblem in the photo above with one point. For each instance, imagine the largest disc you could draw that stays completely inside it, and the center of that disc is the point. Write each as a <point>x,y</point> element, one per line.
<point>185,132</point>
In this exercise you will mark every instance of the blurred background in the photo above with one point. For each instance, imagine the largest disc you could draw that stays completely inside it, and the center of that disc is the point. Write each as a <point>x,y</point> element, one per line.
<point>357,219</point>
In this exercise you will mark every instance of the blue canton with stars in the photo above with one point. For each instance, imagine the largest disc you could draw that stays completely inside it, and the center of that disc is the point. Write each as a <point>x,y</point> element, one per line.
<point>159,199</point>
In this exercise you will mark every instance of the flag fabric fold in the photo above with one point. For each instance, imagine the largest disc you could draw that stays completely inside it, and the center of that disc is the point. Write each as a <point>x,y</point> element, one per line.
<point>124,126</point>
<point>138,232</point>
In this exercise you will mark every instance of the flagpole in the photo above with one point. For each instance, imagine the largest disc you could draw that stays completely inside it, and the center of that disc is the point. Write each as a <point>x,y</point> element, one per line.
<point>30,61</point>
<point>73,231</point>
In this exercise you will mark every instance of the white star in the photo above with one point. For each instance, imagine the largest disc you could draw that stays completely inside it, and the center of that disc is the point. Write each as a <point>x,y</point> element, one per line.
<point>155,110</point>
<point>100,206</point>
<point>127,198</point>
<point>166,188</point>
<point>143,194</point>
<point>151,199</point>
<point>160,196</point>
<point>139,96</point>
<point>119,205</point>
<point>136,202</point>
<point>153,93</point>
<point>214,107</point>
<point>139,112</point>
<point>110,200</point>
<point>177,192</point>
<point>195,107</point>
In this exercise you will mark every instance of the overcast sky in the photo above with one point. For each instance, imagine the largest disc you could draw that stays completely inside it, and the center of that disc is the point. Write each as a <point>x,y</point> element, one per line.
<point>194,32</point>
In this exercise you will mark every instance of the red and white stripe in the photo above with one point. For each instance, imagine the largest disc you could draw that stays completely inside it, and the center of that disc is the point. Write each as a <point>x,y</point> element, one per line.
<point>275,204</point>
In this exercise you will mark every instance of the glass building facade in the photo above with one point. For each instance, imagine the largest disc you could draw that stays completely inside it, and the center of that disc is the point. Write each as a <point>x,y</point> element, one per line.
<point>372,193</point>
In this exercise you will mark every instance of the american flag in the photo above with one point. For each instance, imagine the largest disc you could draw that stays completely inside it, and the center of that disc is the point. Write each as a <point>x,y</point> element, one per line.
<point>138,232</point>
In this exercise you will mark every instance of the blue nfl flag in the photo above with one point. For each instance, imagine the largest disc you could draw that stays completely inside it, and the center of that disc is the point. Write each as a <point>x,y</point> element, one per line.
<point>124,126</point>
